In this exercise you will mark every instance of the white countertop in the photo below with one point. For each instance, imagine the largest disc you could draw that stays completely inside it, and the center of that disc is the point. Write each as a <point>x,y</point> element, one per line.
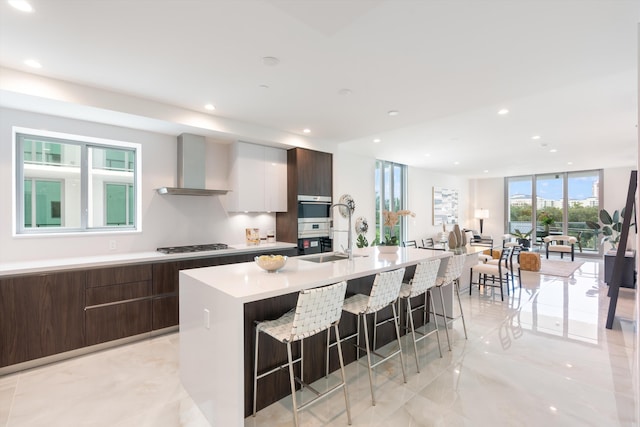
<point>37,266</point>
<point>247,282</point>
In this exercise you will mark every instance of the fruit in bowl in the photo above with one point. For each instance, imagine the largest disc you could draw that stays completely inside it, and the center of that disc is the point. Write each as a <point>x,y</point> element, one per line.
<point>271,263</point>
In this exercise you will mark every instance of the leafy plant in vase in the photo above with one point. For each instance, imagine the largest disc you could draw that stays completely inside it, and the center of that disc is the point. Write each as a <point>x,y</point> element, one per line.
<point>523,238</point>
<point>546,220</point>
<point>390,220</point>
<point>362,226</point>
<point>612,226</point>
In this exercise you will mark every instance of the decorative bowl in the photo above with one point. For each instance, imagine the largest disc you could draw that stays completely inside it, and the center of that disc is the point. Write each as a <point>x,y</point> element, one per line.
<point>392,249</point>
<point>271,263</point>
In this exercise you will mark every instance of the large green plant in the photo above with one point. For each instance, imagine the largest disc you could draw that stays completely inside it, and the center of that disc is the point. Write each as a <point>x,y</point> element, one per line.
<point>611,228</point>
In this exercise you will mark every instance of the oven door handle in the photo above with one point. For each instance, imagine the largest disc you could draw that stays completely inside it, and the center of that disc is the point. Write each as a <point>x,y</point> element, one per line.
<point>315,203</point>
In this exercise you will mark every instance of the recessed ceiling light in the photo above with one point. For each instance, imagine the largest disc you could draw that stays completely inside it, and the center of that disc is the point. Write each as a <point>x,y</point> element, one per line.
<point>21,5</point>
<point>427,155</point>
<point>264,86</point>
<point>485,171</point>
<point>393,113</point>
<point>569,163</point>
<point>209,107</point>
<point>33,63</point>
<point>377,140</point>
<point>456,163</point>
<point>553,150</point>
<point>535,137</point>
<point>503,112</point>
<point>306,130</point>
<point>270,61</point>
<point>345,92</point>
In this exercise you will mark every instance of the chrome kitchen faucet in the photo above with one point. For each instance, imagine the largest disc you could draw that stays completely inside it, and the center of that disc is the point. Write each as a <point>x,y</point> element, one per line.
<point>349,250</point>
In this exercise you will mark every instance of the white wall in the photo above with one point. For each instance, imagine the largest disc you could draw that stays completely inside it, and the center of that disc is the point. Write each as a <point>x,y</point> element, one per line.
<point>167,220</point>
<point>420,190</point>
<point>354,175</point>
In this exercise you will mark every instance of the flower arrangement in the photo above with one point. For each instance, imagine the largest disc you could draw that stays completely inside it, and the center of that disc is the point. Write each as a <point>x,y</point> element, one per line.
<point>390,219</point>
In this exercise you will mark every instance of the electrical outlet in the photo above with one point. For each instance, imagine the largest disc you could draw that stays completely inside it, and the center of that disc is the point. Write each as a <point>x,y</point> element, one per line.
<point>206,319</point>
<point>113,245</point>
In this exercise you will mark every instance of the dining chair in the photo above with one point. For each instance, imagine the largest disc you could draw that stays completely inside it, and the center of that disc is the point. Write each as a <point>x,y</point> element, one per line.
<point>497,271</point>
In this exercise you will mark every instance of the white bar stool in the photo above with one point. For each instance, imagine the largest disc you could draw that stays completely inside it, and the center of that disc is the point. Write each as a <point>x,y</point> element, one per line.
<point>317,310</point>
<point>424,279</point>
<point>453,271</point>
<point>384,293</point>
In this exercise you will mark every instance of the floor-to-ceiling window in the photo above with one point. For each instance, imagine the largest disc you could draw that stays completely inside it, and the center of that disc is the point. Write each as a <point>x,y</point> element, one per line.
<point>559,203</point>
<point>390,187</point>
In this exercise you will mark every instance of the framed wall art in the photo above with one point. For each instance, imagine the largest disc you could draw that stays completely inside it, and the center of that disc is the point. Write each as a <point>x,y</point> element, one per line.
<point>445,206</point>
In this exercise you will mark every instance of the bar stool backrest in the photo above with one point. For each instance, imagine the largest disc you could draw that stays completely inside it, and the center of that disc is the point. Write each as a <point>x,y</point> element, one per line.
<point>317,309</point>
<point>385,290</point>
<point>424,277</point>
<point>455,265</point>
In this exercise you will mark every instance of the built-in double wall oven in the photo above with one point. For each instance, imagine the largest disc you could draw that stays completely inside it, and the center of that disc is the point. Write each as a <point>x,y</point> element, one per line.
<point>314,224</point>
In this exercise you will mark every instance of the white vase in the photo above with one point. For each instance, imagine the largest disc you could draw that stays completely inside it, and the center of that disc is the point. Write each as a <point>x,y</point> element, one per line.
<point>388,249</point>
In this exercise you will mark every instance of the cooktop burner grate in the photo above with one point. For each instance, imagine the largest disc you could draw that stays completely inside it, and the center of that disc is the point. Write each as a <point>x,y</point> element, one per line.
<point>192,248</point>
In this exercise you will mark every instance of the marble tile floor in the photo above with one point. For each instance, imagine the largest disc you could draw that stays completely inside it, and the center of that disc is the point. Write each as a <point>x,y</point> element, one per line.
<point>540,358</point>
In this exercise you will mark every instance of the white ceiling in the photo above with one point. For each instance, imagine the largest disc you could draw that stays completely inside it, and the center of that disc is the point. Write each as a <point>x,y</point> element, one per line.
<point>566,70</point>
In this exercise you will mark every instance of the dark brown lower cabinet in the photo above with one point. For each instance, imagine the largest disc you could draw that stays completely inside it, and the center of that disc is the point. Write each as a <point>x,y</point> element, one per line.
<point>165,312</point>
<point>41,315</point>
<point>117,321</point>
<point>45,314</point>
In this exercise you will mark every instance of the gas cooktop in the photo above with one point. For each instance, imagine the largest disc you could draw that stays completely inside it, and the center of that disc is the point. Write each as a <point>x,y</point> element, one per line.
<point>192,248</point>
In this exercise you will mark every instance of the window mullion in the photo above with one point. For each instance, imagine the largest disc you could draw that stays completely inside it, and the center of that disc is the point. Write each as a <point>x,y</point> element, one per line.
<point>85,161</point>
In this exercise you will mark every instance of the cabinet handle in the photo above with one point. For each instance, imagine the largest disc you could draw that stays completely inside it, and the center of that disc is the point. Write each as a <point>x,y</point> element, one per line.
<point>124,301</point>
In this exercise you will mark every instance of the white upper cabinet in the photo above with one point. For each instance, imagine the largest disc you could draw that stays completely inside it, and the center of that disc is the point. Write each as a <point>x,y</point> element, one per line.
<point>258,179</point>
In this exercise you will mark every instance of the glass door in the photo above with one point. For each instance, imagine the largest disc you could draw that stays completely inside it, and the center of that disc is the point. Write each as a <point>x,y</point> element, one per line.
<point>549,206</point>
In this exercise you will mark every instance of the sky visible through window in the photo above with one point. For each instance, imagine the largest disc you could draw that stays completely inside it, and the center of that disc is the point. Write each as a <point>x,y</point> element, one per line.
<point>580,188</point>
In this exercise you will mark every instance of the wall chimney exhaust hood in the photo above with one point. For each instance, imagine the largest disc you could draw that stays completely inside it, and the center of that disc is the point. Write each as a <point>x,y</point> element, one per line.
<point>191,169</point>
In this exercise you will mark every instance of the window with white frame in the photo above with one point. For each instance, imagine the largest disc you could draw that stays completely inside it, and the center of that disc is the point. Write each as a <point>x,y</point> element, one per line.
<point>391,195</point>
<point>68,183</point>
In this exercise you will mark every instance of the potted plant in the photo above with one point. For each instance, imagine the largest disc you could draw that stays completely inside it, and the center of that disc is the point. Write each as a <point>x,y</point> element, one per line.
<point>612,226</point>
<point>546,220</point>
<point>362,226</point>
<point>523,238</point>
<point>390,219</point>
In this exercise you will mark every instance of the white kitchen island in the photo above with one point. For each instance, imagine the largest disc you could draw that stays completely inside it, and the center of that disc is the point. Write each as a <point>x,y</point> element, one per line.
<point>213,324</point>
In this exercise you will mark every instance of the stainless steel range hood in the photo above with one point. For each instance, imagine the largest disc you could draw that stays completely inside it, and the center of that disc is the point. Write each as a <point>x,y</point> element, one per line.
<point>191,169</point>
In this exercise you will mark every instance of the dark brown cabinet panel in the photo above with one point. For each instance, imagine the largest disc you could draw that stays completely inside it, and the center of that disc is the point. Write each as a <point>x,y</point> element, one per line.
<point>117,321</point>
<point>118,302</point>
<point>118,275</point>
<point>114,293</point>
<point>314,171</point>
<point>41,315</point>
<point>165,312</point>
<point>309,173</point>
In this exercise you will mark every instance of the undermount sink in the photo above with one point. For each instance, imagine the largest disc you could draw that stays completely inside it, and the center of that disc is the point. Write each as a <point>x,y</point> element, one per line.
<point>328,257</point>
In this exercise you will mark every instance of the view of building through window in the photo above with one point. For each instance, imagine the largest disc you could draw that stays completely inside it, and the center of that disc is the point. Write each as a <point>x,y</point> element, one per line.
<point>74,184</point>
<point>559,203</point>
